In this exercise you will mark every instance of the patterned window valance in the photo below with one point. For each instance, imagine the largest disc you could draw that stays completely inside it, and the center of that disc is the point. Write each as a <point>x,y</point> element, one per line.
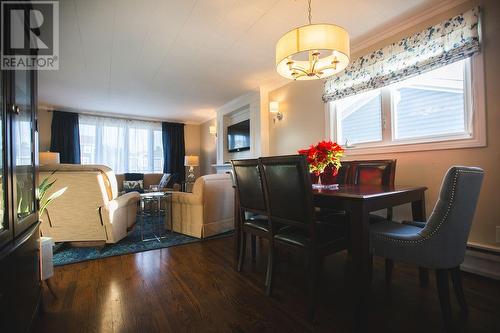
<point>441,44</point>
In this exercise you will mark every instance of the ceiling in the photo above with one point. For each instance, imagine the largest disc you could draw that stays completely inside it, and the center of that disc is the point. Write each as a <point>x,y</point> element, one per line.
<point>181,59</point>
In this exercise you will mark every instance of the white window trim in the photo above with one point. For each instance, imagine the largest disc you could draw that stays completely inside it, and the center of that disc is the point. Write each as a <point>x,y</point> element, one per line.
<point>477,123</point>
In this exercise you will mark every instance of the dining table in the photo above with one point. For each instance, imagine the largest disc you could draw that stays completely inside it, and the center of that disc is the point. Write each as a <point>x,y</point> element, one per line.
<point>358,202</point>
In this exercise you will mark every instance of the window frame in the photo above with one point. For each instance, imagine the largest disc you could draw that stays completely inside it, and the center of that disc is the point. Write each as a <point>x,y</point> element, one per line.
<point>475,117</point>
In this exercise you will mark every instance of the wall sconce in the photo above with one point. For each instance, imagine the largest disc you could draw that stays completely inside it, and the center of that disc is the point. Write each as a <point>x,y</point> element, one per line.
<point>274,109</point>
<point>212,130</point>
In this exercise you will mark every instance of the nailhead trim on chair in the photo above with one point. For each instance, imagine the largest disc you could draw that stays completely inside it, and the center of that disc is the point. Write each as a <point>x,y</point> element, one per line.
<point>445,217</point>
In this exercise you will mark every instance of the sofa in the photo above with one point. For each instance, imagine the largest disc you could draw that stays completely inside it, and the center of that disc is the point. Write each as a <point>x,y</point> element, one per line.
<point>208,210</point>
<point>90,210</point>
<point>149,179</point>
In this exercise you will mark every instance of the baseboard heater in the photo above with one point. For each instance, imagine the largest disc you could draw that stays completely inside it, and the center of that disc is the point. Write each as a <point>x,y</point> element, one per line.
<point>482,260</point>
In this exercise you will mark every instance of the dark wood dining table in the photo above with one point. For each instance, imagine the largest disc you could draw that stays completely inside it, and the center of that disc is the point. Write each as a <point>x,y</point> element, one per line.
<point>359,201</point>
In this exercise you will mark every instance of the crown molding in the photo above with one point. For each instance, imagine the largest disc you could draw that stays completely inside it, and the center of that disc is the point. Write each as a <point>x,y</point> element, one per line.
<point>404,23</point>
<point>51,107</point>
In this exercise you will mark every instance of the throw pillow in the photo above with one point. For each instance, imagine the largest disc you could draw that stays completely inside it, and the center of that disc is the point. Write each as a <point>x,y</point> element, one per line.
<point>134,176</point>
<point>164,180</point>
<point>133,185</point>
<point>173,180</point>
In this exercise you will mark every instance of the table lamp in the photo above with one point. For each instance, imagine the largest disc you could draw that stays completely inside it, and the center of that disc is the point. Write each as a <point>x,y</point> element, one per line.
<point>191,161</point>
<point>48,157</point>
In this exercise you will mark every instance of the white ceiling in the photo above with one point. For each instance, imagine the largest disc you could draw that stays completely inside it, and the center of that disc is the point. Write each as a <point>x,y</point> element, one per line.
<point>181,59</point>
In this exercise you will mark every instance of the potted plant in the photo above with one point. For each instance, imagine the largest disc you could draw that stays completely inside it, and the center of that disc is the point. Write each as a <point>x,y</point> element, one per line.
<point>323,155</point>
<point>41,192</point>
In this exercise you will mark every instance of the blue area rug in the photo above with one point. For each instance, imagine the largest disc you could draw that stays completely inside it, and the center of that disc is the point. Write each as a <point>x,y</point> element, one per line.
<point>64,255</point>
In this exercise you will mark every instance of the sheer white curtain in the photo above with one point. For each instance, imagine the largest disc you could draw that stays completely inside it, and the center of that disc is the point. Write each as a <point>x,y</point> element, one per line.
<point>123,145</point>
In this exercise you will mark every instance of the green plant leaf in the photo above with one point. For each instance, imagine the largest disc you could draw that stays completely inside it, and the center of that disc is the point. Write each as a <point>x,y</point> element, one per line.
<point>42,190</point>
<point>53,196</point>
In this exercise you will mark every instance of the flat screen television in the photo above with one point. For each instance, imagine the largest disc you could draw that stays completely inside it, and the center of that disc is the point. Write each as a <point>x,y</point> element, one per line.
<point>238,136</point>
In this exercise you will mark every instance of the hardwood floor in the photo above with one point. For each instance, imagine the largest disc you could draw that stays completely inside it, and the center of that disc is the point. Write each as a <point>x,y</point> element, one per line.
<point>194,288</point>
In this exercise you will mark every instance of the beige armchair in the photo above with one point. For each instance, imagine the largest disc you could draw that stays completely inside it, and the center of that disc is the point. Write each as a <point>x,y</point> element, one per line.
<point>90,209</point>
<point>208,211</point>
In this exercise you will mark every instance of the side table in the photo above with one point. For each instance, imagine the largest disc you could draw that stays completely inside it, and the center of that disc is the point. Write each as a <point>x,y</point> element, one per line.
<point>187,186</point>
<point>156,207</point>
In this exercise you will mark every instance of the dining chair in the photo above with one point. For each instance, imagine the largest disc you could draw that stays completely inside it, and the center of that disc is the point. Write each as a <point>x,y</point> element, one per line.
<point>440,243</point>
<point>328,177</point>
<point>253,209</point>
<point>374,172</point>
<point>369,172</point>
<point>289,197</point>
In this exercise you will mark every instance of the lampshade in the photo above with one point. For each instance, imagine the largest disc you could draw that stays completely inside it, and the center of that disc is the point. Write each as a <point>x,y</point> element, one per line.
<point>274,107</point>
<point>313,51</point>
<point>191,160</point>
<point>212,130</point>
<point>48,157</point>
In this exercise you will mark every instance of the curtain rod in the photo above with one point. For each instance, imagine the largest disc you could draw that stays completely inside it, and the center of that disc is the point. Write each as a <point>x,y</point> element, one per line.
<point>118,116</point>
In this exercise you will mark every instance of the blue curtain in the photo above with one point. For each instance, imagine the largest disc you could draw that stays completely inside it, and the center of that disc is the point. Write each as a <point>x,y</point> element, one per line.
<point>173,150</point>
<point>65,137</point>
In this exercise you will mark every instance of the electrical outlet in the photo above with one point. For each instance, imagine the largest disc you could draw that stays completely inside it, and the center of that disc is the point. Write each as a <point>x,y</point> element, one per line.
<point>498,234</point>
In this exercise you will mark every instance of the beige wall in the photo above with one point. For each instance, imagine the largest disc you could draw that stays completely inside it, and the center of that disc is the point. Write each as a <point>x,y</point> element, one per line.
<point>44,123</point>
<point>191,135</point>
<point>192,143</point>
<point>304,124</point>
<point>208,153</point>
<point>303,120</point>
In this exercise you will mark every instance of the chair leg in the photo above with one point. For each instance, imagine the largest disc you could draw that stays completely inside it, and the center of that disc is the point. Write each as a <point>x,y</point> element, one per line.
<point>315,266</point>
<point>389,265</point>
<point>270,268</point>
<point>389,214</point>
<point>456,278</point>
<point>253,240</point>
<point>423,276</point>
<point>243,246</point>
<point>444,297</point>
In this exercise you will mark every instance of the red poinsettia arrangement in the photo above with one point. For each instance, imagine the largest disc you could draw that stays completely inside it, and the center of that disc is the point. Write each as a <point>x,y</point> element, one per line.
<point>321,155</point>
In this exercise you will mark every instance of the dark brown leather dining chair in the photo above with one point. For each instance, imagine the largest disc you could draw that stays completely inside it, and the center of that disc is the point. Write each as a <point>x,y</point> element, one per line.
<point>340,178</point>
<point>370,172</point>
<point>253,209</point>
<point>289,197</point>
<point>374,172</point>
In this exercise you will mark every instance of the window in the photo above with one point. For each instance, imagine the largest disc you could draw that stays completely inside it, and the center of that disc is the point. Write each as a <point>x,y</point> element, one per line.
<point>360,118</point>
<point>157,150</point>
<point>87,143</point>
<point>123,145</point>
<point>419,112</point>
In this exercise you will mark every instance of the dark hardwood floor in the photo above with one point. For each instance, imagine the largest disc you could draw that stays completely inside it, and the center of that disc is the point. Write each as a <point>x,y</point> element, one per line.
<point>194,288</point>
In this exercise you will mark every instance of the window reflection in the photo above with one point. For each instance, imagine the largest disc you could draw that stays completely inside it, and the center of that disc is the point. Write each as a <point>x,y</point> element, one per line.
<point>22,142</point>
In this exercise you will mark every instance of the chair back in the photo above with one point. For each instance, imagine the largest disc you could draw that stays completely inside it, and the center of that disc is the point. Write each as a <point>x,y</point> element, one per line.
<point>327,177</point>
<point>249,186</point>
<point>288,191</point>
<point>449,225</point>
<point>375,172</point>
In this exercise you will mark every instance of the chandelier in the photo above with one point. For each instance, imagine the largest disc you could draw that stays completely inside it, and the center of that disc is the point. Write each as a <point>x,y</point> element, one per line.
<point>313,51</point>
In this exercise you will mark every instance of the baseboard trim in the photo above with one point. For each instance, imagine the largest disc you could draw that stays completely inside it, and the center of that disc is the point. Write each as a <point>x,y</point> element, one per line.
<point>482,262</point>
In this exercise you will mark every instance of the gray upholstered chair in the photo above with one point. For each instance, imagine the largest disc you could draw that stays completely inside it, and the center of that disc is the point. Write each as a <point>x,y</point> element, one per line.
<point>440,243</point>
